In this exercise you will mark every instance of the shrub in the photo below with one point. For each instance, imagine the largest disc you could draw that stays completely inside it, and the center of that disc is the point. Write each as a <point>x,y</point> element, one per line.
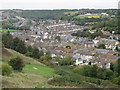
<point>29,54</point>
<point>108,74</point>
<point>101,46</point>
<point>116,80</point>
<point>17,63</point>
<point>35,53</point>
<point>61,72</point>
<point>6,69</point>
<point>84,70</point>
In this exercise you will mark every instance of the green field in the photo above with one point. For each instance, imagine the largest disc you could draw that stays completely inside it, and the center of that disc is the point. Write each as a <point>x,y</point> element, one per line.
<point>7,30</point>
<point>39,70</point>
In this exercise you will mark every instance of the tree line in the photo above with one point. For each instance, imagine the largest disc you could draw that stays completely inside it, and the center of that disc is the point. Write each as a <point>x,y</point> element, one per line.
<point>18,45</point>
<point>112,74</point>
<point>87,34</point>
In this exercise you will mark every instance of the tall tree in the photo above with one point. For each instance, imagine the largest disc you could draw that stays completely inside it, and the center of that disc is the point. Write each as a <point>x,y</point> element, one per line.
<point>15,43</point>
<point>41,53</point>
<point>35,53</point>
<point>21,47</point>
<point>48,55</point>
<point>7,40</point>
<point>94,70</point>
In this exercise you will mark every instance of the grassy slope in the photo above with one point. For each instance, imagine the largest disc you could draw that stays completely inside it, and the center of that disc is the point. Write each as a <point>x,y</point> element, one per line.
<point>36,74</point>
<point>7,54</point>
<point>30,77</point>
<point>39,70</point>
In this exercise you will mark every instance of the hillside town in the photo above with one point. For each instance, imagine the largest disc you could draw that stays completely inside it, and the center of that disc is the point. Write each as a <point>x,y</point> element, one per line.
<point>55,35</point>
<point>60,48</point>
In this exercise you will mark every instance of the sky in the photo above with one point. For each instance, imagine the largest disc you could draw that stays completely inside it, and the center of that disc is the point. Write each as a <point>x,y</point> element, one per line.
<point>59,4</point>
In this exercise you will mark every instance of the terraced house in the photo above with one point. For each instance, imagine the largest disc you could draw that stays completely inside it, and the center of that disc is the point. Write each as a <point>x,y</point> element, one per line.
<point>109,44</point>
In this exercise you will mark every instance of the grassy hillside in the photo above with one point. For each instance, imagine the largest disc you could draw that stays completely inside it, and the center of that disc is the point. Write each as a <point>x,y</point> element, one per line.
<point>37,75</point>
<point>39,70</point>
<point>34,73</point>
<point>7,54</point>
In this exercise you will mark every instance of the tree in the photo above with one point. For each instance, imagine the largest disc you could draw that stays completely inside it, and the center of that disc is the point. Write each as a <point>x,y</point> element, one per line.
<point>29,48</point>
<point>35,53</point>
<point>117,67</point>
<point>84,70</point>
<point>117,49</point>
<point>21,47</point>
<point>57,58</point>
<point>48,55</point>
<point>67,58</point>
<point>116,80</point>
<point>29,54</point>
<point>7,40</point>
<point>41,53</point>
<point>57,38</point>
<point>42,58</point>
<point>100,73</point>
<point>68,47</point>
<point>6,69</point>
<point>17,63</point>
<point>29,51</point>
<point>89,63</point>
<point>108,74</point>
<point>15,43</point>
<point>112,67</point>
<point>102,46</point>
<point>94,71</point>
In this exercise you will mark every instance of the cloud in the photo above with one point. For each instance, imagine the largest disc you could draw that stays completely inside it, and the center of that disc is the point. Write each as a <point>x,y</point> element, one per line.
<point>58,4</point>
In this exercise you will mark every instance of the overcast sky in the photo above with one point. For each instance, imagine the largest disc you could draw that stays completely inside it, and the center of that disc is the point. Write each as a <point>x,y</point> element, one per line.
<point>58,4</point>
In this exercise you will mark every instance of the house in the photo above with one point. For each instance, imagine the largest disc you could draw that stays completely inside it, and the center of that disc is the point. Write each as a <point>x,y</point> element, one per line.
<point>101,51</point>
<point>89,44</point>
<point>107,65</point>
<point>86,55</point>
<point>53,55</point>
<point>109,43</point>
<point>106,33</point>
<point>79,62</point>
<point>96,41</point>
<point>69,38</point>
<point>92,31</point>
<point>46,35</point>
<point>104,60</point>
<point>77,56</point>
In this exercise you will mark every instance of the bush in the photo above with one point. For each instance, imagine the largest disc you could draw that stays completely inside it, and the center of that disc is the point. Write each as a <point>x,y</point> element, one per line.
<point>84,70</point>
<point>101,46</point>
<point>17,63</point>
<point>35,53</point>
<point>6,69</point>
<point>61,72</point>
<point>116,80</point>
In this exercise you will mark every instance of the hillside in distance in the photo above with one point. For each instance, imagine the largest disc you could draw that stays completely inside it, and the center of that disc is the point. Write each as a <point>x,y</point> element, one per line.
<point>54,14</point>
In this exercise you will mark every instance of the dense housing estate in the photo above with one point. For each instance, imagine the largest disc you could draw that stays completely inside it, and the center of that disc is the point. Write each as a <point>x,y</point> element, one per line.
<point>55,35</point>
<point>60,49</point>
